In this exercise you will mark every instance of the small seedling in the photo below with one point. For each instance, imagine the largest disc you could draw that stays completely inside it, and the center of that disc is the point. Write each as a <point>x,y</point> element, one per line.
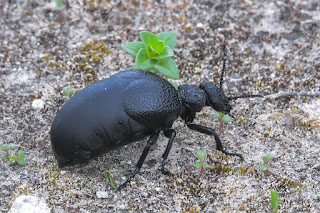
<point>109,178</point>
<point>18,158</point>
<point>59,5</point>
<point>265,167</point>
<point>197,70</point>
<point>201,165</point>
<point>222,118</point>
<point>274,200</point>
<point>154,53</point>
<point>69,92</point>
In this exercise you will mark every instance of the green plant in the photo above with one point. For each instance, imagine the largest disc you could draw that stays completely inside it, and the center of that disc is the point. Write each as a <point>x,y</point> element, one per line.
<point>274,200</point>
<point>201,164</point>
<point>60,6</point>
<point>265,166</point>
<point>197,70</point>
<point>69,92</point>
<point>222,118</point>
<point>154,53</point>
<point>18,158</point>
<point>109,179</point>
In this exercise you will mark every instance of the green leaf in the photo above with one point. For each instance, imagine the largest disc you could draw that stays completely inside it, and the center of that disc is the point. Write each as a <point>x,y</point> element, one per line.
<point>2,155</point>
<point>266,159</point>
<point>201,155</point>
<point>198,165</point>
<point>157,47</point>
<point>274,200</point>
<point>214,116</point>
<point>133,47</point>
<point>21,162</point>
<point>3,147</point>
<point>110,179</point>
<point>169,38</point>
<point>208,166</point>
<point>12,159</point>
<point>226,118</point>
<point>221,115</point>
<point>168,68</point>
<point>143,61</point>
<point>174,84</point>
<point>59,3</point>
<point>67,91</point>
<point>197,70</point>
<point>112,183</point>
<point>263,167</point>
<point>149,40</point>
<point>168,52</point>
<point>21,154</point>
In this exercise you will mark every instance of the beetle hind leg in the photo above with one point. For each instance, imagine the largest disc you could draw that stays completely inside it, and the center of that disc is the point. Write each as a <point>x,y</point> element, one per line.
<point>152,140</point>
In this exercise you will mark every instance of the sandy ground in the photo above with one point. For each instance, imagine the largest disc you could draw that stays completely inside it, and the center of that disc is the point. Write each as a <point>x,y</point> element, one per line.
<point>271,46</point>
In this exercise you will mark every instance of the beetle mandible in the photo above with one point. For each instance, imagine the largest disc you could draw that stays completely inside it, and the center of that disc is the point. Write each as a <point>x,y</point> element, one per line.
<point>127,107</point>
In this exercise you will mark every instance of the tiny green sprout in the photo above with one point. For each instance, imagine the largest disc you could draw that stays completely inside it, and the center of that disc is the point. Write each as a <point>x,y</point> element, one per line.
<point>69,92</point>
<point>154,53</point>
<point>274,200</point>
<point>59,5</point>
<point>6,149</point>
<point>109,178</point>
<point>222,118</point>
<point>266,159</point>
<point>201,165</point>
<point>265,166</point>
<point>197,70</point>
<point>19,158</point>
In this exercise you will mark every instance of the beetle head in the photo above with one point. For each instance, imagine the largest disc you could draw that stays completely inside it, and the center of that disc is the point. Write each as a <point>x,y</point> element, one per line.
<point>215,98</point>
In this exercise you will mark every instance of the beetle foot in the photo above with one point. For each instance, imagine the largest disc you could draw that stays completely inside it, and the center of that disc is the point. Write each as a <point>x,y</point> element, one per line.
<point>165,171</point>
<point>122,186</point>
<point>233,154</point>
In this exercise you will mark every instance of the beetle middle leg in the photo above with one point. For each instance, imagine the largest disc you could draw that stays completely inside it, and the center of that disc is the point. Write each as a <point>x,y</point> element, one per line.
<point>152,140</point>
<point>208,131</point>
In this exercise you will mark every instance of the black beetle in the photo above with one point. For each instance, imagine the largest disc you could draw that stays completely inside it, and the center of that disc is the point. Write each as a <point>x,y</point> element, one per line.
<point>127,107</point>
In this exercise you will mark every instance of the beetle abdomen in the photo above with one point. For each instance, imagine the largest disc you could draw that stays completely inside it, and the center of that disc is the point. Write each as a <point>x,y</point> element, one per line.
<point>92,122</point>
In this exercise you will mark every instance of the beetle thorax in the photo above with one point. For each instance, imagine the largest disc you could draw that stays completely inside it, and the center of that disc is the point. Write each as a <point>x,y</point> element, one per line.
<point>193,98</point>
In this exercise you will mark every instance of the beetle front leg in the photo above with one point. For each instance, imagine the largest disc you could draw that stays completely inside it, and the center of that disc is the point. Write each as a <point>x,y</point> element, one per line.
<point>152,140</point>
<point>171,134</point>
<point>210,131</point>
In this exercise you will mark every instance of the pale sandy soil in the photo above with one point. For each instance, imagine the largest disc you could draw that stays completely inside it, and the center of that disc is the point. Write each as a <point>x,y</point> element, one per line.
<point>272,46</point>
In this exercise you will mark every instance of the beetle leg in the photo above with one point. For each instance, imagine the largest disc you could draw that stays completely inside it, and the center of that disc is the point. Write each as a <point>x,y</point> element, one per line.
<point>171,134</point>
<point>152,140</point>
<point>210,131</point>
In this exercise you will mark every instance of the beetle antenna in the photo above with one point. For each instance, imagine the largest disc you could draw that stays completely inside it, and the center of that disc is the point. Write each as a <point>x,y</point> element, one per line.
<point>222,71</point>
<point>244,96</point>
